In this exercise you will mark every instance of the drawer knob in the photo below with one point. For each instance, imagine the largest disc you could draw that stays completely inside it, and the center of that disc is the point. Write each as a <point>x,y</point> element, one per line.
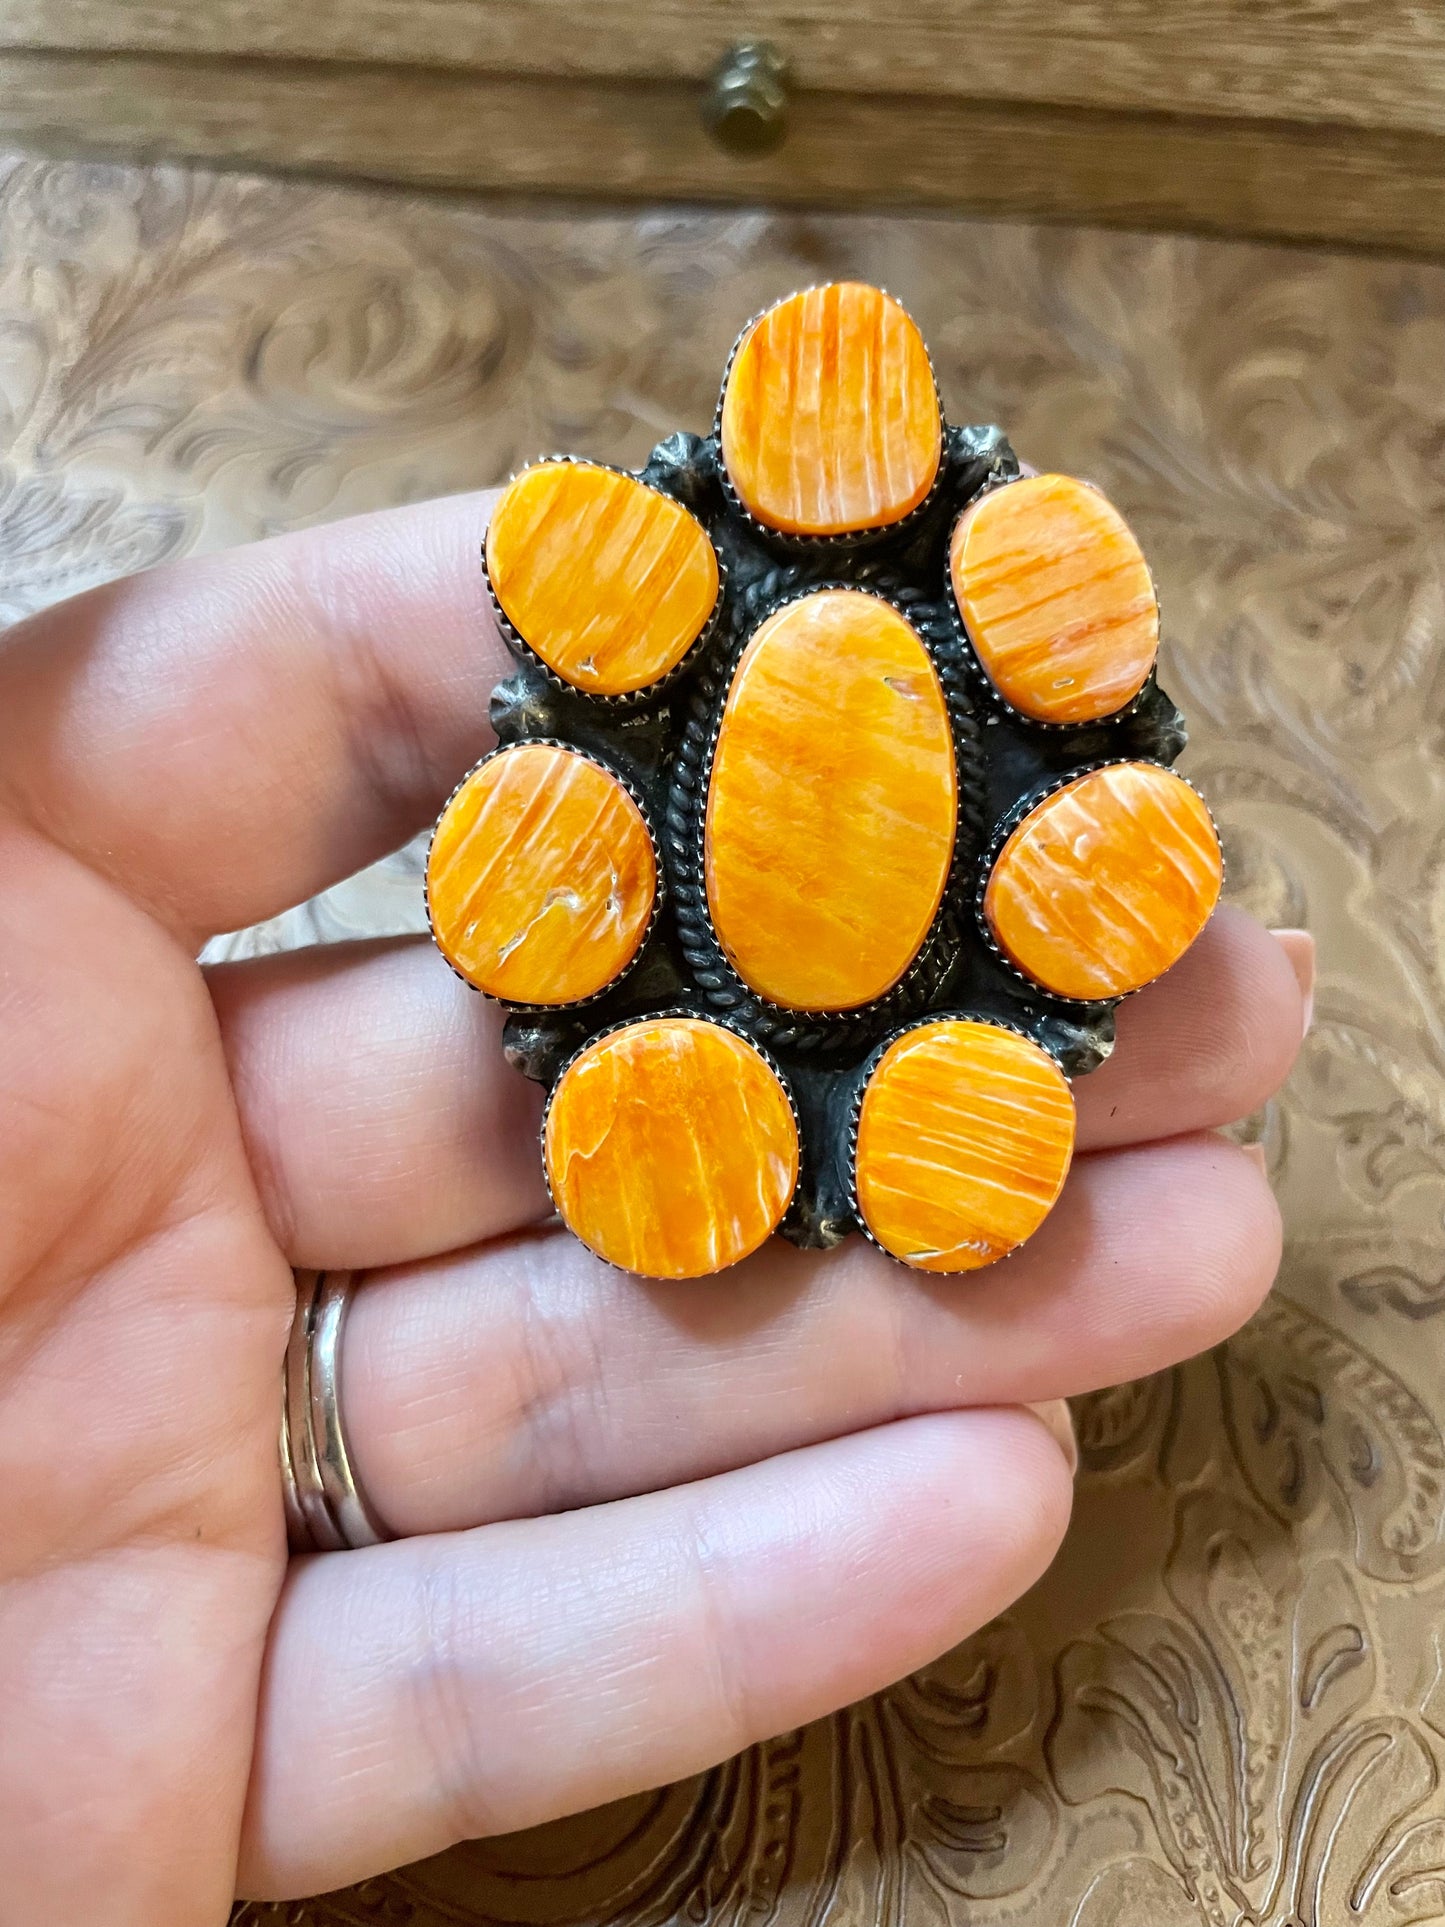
<point>746,106</point>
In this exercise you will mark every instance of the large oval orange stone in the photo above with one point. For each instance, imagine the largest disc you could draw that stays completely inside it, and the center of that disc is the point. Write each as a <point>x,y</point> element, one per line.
<point>671,1148</point>
<point>964,1140</point>
<point>607,580</point>
<point>830,418</point>
<point>832,804</point>
<point>541,876</point>
<point>1056,597</point>
<point>1107,882</point>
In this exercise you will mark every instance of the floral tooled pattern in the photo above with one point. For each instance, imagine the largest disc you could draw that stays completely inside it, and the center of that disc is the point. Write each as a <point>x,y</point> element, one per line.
<point>1316,1423</point>
<point>1227,1700</point>
<point>1243,1721</point>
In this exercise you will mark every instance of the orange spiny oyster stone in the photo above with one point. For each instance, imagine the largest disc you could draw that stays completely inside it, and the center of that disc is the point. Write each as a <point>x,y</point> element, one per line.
<point>830,418</point>
<point>541,876</point>
<point>1056,597</point>
<point>609,581</point>
<point>671,1148</point>
<point>964,1140</point>
<point>832,804</point>
<point>1107,882</point>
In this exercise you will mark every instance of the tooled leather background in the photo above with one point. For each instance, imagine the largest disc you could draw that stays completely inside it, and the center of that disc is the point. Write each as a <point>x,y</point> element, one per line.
<point>1226,1703</point>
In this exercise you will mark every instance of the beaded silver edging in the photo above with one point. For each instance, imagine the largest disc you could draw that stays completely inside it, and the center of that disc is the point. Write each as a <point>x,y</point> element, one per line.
<point>845,541</point>
<point>697,932</point>
<point>991,691</point>
<point>865,1076</point>
<point>1024,808</point>
<point>634,1023</point>
<point>659,884</point>
<point>526,653</point>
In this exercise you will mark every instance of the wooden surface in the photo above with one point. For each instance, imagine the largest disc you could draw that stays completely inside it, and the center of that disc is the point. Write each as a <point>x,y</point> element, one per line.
<point>1225,1706</point>
<point>1371,63</point>
<point>1312,118</point>
<point>646,140</point>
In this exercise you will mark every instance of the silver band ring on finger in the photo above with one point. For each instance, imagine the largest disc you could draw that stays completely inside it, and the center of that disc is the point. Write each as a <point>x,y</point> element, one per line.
<point>326,1509</point>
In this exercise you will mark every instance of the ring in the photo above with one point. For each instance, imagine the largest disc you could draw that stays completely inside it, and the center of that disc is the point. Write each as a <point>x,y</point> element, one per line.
<point>326,1509</point>
<point>831,814</point>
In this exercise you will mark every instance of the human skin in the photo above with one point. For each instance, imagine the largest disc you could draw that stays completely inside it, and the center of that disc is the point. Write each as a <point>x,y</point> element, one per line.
<point>647,1523</point>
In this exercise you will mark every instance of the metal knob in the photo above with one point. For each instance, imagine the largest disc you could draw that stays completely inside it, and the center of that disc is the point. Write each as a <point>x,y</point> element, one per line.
<point>746,108</point>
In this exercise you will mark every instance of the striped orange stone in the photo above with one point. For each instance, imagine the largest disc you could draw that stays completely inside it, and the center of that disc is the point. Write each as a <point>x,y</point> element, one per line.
<point>832,803</point>
<point>964,1140</point>
<point>830,418</point>
<point>541,876</point>
<point>609,581</point>
<point>1107,882</point>
<point>671,1148</point>
<point>1056,597</point>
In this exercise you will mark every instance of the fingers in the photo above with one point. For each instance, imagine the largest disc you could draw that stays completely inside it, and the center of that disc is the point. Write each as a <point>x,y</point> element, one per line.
<point>1205,1045</point>
<point>527,1377</point>
<point>1055,1414</point>
<point>1299,947</point>
<point>436,1690</point>
<point>226,735</point>
<point>381,1119</point>
<point>385,1126</point>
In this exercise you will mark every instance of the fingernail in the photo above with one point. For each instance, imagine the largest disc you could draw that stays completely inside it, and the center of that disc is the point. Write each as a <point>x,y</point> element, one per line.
<point>1256,1156</point>
<point>1299,947</point>
<point>1055,1413</point>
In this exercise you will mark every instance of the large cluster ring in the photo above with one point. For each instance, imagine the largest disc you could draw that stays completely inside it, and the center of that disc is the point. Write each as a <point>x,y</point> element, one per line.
<point>831,814</point>
<point>326,1509</point>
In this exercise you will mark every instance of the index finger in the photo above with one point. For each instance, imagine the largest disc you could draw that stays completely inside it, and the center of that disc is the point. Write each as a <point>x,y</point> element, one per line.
<point>224,736</point>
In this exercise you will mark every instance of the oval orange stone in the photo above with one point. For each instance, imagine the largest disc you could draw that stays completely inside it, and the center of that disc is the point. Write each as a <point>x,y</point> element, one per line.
<point>607,580</point>
<point>832,804</point>
<point>671,1148</point>
<point>541,876</point>
<point>1056,597</point>
<point>830,418</point>
<point>1107,882</point>
<point>964,1141</point>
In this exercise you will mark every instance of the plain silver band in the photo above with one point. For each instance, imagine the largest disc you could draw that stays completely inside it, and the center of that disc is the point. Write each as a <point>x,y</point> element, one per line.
<point>326,1510</point>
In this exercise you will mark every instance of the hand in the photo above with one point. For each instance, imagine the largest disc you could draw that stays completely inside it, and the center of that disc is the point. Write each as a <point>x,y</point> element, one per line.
<point>653,1522</point>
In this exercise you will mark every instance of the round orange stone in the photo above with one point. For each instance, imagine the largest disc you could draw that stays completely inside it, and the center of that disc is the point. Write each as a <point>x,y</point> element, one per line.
<point>671,1148</point>
<point>832,804</point>
<point>1056,597</point>
<point>1107,882</point>
<point>609,581</point>
<point>964,1141</point>
<point>541,876</point>
<point>830,418</point>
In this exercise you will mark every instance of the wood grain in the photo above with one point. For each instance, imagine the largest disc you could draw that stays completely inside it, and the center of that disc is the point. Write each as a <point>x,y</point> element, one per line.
<point>1371,63</point>
<point>1370,187</point>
